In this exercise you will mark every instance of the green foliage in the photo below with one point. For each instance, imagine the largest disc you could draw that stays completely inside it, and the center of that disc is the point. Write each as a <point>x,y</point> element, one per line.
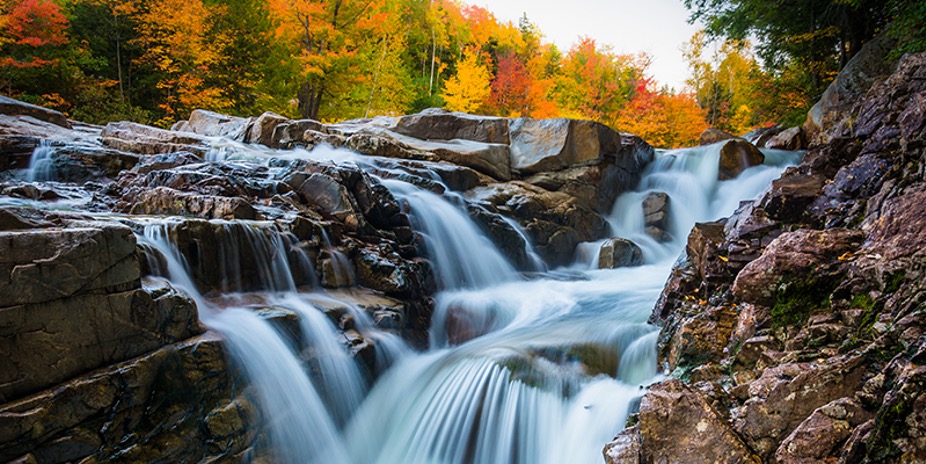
<point>909,27</point>
<point>894,281</point>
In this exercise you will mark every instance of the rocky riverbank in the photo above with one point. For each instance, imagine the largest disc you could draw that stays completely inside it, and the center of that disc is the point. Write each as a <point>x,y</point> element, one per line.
<point>794,329</point>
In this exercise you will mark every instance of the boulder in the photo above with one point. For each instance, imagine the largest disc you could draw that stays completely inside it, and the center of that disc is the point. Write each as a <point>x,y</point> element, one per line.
<point>832,114</point>
<point>594,187</point>
<point>330,197</point>
<point>292,133</point>
<point>656,210</point>
<point>539,145</point>
<point>678,424</point>
<point>169,202</point>
<point>789,139</point>
<point>213,124</point>
<point>440,124</point>
<point>736,156</point>
<point>11,107</point>
<point>487,158</point>
<point>793,256</point>
<point>619,252</point>
<point>263,127</point>
<point>555,222</point>
<point>138,138</point>
<point>790,196</point>
<point>165,161</point>
<point>901,229</point>
<point>711,136</point>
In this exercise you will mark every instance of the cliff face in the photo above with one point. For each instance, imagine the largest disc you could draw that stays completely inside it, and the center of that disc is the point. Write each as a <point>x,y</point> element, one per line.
<point>796,326</point>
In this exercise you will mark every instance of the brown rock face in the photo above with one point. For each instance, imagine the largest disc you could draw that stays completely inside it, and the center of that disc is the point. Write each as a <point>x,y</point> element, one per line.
<point>553,144</point>
<point>656,210</point>
<point>822,433</point>
<point>677,424</point>
<point>736,156</point>
<point>711,136</point>
<point>167,201</point>
<point>793,254</point>
<point>262,128</point>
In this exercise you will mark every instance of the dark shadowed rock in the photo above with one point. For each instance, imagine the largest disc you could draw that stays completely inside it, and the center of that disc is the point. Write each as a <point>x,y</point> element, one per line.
<point>656,211</point>
<point>736,156</point>
<point>619,252</point>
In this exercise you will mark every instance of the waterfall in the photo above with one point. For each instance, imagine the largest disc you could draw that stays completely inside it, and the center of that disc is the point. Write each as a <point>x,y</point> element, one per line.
<point>461,255</point>
<point>544,370</point>
<point>302,429</point>
<point>40,163</point>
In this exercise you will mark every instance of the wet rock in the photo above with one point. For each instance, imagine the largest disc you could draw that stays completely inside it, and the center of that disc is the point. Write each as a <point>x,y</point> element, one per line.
<point>789,139</point>
<point>619,252</point>
<point>901,229</point>
<point>554,221</point>
<point>677,424</point>
<point>49,342</point>
<point>820,436</point>
<point>656,210</point>
<point>900,422</point>
<point>440,124</point>
<point>791,195</point>
<point>502,235</point>
<point>594,187</point>
<point>626,448</point>
<point>699,338</point>
<point>165,161</point>
<point>11,107</point>
<point>331,197</point>
<point>539,145</point>
<point>168,393</point>
<point>736,156</point>
<point>293,133</point>
<point>711,136</point>
<point>263,127</point>
<point>213,124</point>
<point>138,138</point>
<point>37,265</point>
<point>169,202</point>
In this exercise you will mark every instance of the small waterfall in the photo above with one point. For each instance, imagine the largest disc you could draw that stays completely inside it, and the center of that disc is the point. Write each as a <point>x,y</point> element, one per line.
<point>461,255</point>
<point>236,256</point>
<point>41,167</point>
<point>689,178</point>
<point>301,429</point>
<point>342,272</point>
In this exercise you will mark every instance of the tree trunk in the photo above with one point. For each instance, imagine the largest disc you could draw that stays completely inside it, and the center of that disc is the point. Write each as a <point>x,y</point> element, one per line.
<point>310,101</point>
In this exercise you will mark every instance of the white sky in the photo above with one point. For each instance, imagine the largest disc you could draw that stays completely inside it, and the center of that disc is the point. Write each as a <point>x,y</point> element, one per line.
<point>658,27</point>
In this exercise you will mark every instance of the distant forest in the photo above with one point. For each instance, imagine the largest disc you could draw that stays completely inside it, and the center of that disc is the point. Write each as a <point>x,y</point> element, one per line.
<point>154,61</point>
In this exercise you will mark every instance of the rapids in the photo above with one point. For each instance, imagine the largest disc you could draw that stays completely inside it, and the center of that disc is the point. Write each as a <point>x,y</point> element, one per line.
<point>539,369</point>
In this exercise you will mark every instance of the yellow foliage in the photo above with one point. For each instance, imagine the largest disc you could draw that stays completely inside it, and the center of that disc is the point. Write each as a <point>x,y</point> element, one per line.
<point>469,87</point>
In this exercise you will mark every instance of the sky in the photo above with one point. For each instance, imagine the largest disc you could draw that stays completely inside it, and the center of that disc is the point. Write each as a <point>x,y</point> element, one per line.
<point>658,27</point>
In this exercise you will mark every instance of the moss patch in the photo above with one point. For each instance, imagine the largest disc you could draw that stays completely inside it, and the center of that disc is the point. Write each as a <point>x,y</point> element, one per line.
<point>797,299</point>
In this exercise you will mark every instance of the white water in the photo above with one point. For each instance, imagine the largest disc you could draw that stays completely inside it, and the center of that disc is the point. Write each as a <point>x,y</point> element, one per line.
<point>40,163</point>
<point>520,371</point>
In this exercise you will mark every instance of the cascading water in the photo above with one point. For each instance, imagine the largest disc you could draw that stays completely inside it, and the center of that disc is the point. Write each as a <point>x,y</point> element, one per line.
<point>519,371</point>
<point>461,255</point>
<point>40,163</point>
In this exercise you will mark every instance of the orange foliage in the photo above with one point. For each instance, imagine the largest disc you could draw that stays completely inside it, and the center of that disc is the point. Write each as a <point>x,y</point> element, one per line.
<point>663,119</point>
<point>30,25</point>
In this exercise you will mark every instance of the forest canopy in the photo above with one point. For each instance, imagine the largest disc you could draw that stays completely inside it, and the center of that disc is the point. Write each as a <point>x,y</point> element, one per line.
<point>154,61</point>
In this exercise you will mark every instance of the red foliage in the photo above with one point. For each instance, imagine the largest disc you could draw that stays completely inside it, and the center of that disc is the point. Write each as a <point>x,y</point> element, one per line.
<point>37,23</point>
<point>511,87</point>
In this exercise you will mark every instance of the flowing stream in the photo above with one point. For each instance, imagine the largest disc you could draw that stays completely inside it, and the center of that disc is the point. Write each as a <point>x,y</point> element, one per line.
<point>520,370</point>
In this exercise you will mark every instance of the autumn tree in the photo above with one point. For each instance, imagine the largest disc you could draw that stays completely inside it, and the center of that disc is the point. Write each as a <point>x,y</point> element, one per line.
<point>511,88</point>
<point>468,89</point>
<point>180,52</point>
<point>596,83</point>
<point>663,118</point>
<point>33,33</point>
